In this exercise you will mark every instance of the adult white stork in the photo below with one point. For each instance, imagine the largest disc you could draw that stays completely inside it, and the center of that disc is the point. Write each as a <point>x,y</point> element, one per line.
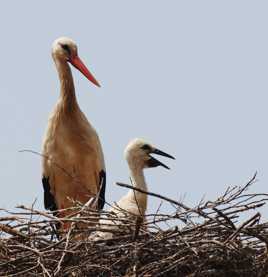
<point>134,203</point>
<point>73,162</point>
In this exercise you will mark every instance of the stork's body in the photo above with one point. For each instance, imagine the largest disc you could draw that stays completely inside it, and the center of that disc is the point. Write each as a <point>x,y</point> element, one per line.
<point>73,162</point>
<point>134,203</point>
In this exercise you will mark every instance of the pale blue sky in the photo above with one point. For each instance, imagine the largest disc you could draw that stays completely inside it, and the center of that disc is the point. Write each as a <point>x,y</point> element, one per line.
<point>188,76</point>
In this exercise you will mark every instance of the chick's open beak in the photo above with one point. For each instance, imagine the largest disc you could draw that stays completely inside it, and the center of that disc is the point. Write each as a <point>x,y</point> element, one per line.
<point>153,162</point>
<point>161,153</point>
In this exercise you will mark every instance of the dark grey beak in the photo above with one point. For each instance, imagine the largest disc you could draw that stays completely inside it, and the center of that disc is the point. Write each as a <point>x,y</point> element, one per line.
<point>161,153</point>
<point>153,162</point>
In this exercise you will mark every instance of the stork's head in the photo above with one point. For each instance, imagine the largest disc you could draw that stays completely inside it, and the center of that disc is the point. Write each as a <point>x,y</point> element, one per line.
<point>137,153</point>
<point>65,50</point>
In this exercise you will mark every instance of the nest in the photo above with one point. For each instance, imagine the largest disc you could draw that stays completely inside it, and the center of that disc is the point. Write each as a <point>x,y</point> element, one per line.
<point>225,237</point>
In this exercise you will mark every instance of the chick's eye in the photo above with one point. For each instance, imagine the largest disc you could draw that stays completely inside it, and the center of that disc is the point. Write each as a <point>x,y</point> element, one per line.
<point>66,48</point>
<point>146,147</point>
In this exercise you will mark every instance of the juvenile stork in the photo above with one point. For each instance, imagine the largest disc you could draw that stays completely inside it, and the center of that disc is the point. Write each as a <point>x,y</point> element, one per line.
<point>134,203</point>
<point>73,162</point>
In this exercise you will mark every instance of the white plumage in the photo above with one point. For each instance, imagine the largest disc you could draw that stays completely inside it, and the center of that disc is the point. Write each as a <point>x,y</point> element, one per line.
<point>73,163</point>
<point>134,204</point>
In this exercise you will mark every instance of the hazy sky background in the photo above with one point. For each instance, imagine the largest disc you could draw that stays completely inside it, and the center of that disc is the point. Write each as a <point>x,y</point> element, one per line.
<point>188,76</point>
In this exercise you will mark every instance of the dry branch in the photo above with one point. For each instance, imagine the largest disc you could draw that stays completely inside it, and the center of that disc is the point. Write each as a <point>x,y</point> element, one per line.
<point>214,238</point>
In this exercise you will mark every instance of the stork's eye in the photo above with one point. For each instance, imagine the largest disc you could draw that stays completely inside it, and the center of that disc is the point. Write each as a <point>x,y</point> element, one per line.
<point>66,48</point>
<point>146,147</point>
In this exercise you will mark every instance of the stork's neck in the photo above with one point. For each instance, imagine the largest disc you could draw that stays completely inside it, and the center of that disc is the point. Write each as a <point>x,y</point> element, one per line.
<point>67,91</point>
<point>138,181</point>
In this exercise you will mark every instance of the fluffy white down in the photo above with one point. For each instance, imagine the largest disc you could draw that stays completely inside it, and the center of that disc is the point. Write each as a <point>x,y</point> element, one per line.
<point>133,204</point>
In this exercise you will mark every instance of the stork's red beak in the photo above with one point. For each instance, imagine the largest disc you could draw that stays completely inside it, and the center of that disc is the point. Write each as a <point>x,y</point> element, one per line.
<point>77,63</point>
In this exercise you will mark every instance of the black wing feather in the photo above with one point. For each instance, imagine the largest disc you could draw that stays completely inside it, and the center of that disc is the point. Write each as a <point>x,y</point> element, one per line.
<point>49,200</point>
<point>101,200</point>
